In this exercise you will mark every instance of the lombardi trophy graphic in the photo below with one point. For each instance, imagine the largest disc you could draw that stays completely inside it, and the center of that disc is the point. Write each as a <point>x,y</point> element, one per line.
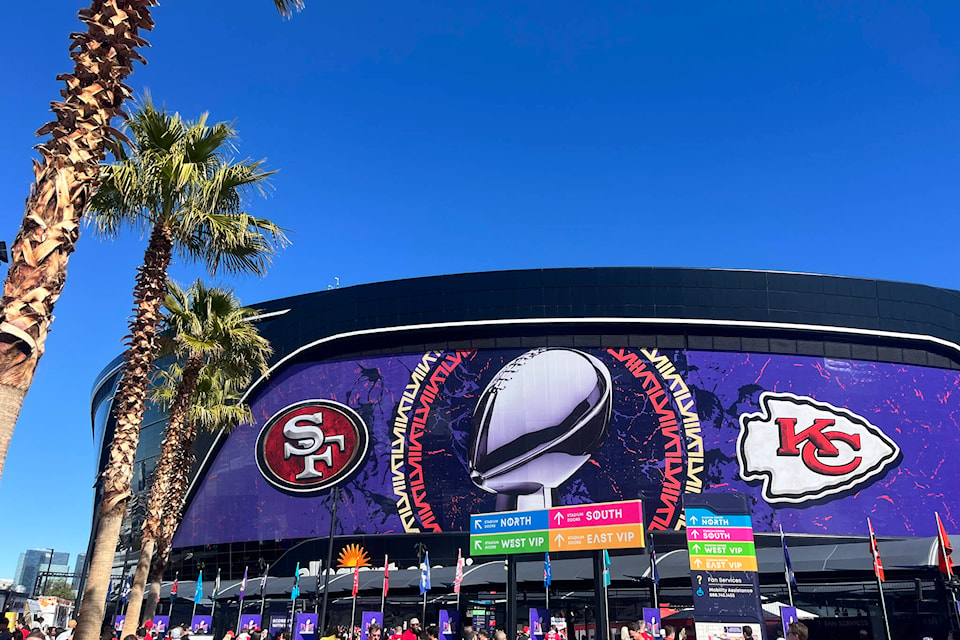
<point>538,421</point>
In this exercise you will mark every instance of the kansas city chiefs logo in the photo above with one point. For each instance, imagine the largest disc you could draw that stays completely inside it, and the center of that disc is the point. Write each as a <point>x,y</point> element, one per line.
<point>803,449</point>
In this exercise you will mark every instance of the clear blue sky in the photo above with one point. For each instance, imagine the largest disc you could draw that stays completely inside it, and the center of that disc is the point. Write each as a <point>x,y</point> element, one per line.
<point>420,138</point>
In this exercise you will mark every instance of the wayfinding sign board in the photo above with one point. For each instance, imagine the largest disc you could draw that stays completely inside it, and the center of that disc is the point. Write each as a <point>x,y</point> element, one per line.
<point>723,559</point>
<point>582,527</point>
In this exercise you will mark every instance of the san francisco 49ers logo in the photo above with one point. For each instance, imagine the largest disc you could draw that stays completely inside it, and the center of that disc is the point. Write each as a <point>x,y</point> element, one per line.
<point>803,449</point>
<point>311,446</point>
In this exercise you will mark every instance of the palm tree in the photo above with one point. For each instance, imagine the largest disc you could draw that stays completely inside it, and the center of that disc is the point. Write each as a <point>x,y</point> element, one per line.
<point>175,182</point>
<point>218,348</point>
<point>65,181</point>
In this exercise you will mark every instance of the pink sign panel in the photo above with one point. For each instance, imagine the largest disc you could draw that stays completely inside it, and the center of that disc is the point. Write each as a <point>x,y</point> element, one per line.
<point>594,515</point>
<point>729,534</point>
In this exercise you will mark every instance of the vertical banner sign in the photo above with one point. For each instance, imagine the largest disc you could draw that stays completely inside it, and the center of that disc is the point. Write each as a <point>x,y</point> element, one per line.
<point>368,619</point>
<point>161,624</point>
<point>787,615</point>
<point>723,559</point>
<point>449,623</point>
<point>249,621</point>
<point>279,622</point>
<point>201,625</point>
<point>306,627</point>
<point>652,617</point>
<point>539,623</point>
<point>118,623</point>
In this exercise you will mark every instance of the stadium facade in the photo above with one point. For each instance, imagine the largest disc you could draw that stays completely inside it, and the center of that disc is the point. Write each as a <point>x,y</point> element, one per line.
<point>825,399</point>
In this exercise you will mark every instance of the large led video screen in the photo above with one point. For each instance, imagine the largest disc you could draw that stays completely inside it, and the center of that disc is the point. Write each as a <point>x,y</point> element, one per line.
<point>418,442</point>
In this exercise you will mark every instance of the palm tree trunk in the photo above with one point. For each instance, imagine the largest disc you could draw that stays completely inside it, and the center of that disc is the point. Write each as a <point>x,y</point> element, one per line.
<point>65,180</point>
<point>131,395</point>
<point>163,504</point>
<point>155,577</point>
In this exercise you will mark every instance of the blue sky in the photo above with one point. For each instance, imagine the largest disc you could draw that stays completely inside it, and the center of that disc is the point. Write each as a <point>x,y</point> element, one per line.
<point>431,137</point>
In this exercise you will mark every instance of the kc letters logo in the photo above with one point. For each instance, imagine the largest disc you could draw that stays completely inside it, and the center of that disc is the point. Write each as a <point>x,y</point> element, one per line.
<point>804,450</point>
<point>311,446</point>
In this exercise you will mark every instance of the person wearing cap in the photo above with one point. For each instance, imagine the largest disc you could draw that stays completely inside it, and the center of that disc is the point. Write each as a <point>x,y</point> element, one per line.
<point>175,633</point>
<point>413,631</point>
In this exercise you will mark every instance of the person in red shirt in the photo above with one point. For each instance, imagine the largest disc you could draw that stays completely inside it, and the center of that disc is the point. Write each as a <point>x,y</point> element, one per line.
<point>413,631</point>
<point>552,634</point>
<point>396,635</point>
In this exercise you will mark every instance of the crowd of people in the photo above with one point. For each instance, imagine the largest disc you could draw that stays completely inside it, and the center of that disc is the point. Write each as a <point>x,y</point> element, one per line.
<point>25,628</point>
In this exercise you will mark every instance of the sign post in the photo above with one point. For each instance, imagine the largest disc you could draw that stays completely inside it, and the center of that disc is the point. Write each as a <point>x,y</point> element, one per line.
<point>723,560</point>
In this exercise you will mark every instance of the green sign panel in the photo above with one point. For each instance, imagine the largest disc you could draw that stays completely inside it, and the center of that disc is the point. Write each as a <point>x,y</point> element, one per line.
<point>509,543</point>
<point>721,548</point>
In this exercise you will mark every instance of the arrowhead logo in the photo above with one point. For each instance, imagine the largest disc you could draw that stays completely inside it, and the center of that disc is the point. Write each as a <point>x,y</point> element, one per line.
<point>559,539</point>
<point>477,544</point>
<point>558,517</point>
<point>802,449</point>
<point>693,519</point>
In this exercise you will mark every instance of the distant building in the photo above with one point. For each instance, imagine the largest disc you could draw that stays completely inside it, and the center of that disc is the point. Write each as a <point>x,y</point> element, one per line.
<point>78,571</point>
<point>34,561</point>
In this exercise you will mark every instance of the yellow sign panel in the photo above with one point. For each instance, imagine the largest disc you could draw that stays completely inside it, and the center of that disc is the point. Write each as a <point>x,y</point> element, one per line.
<point>620,536</point>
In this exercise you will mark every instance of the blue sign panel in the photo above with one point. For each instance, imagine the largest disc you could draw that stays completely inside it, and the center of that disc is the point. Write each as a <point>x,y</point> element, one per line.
<point>707,518</point>
<point>509,522</point>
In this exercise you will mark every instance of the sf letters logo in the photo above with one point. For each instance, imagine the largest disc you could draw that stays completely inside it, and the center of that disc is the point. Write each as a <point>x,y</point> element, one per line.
<point>819,444</point>
<point>305,438</point>
<point>311,446</point>
<point>802,449</point>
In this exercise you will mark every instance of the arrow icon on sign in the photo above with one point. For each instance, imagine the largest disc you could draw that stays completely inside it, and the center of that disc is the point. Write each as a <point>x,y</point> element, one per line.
<point>558,517</point>
<point>559,539</point>
<point>697,562</point>
<point>693,519</point>
<point>694,534</point>
<point>476,544</point>
<point>696,548</point>
<point>478,524</point>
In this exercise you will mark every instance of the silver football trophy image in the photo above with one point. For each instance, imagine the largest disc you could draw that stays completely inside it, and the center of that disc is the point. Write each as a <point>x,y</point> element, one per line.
<point>538,421</point>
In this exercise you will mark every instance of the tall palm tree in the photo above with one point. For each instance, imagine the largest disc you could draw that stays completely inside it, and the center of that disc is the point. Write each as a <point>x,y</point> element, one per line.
<point>65,180</point>
<point>218,348</point>
<point>173,180</point>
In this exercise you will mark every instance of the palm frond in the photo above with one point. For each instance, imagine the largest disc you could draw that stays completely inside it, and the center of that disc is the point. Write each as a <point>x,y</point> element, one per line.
<point>287,7</point>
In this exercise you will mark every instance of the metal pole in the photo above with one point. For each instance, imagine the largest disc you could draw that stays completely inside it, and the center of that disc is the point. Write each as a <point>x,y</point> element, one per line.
<point>548,597</point>
<point>194,612</point>
<point>883,609</point>
<point>326,569</point>
<point>511,622</point>
<point>383,590</point>
<point>50,566</point>
<point>954,610</point>
<point>353,616</point>
<point>423,616</point>
<point>263,595</point>
<point>240,614</point>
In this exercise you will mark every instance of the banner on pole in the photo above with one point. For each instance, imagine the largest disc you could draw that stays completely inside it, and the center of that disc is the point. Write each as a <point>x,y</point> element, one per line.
<point>118,623</point>
<point>787,615</point>
<point>250,621</point>
<point>449,624</point>
<point>539,623</point>
<point>161,624</point>
<point>279,622</point>
<point>201,625</point>
<point>306,627</point>
<point>367,620</point>
<point>652,617</point>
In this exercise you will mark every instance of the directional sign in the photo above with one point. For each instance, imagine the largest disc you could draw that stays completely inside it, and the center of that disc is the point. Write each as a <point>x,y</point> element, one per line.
<point>582,527</point>
<point>706,518</point>
<point>509,543</point>
<point>625,536</point>
<point>594,515</point>
<point>508,521</point>
<point>724,563</point>
<point>719,535</point>
<point>721,548</point>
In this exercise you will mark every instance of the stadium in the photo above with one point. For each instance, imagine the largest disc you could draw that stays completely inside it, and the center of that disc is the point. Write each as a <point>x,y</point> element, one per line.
<point>418,402</point>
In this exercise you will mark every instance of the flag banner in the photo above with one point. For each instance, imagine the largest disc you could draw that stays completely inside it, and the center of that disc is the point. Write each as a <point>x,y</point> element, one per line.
<point>356,580</point>
<point>652,617</point>
<point>449,624</point>
<point>425,574</point>
<point>126,591</point>
<point>875,551</point>
<point>654,569</point>
<point>386,576</point>
<point>250,621</point>
<point>198,591</point>
<point>263,580</point>
<point>110,589</point>
<point>118,623</point>
<point>547,571</point>
<point>787,615</point>
<point>788,566</point>
<point>367,620</point>
<point>539,623</point>
<point>306,627</point>
<point>945,548</point>
<point>176,585</point>
<point>161,624</point>
<point>458,577</point>
<point>201,625</point>
<point>606,568</point>
<point>295,591</point>
<point>243,585</point>
<point>216,586</point>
